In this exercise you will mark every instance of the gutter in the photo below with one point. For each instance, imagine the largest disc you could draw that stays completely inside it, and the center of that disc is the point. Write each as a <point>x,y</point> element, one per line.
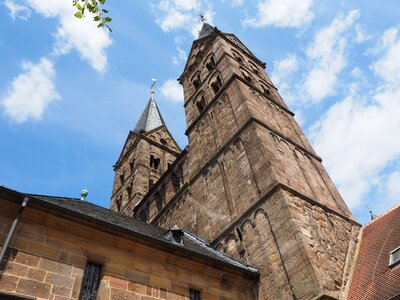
<point>13,227</point>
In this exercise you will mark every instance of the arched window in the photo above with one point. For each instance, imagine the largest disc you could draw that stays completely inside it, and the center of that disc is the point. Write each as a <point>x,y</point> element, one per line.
<point>151,183</point>
<point>201,104</point>
<point>254,69</point>
<point>132,165</point>
<point>247,76</point>
<point>216,85</point>
<point>210,63</point>
<point>129,191</point>
<point>238,57</point>
<point>122,177</point>
<point>266,90</point>
<point>154,162</point>
<point>196,80</point>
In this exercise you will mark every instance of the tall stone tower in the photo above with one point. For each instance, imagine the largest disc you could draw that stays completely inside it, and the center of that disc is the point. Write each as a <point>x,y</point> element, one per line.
<point>251,184</point>
<point>148,152</point>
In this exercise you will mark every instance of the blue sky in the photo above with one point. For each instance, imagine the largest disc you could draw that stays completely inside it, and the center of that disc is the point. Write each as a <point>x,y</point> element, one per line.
<point>69,92</point>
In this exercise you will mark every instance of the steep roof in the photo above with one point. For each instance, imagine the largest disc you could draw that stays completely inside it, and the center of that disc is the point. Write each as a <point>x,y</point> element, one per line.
<point>373,278</point>
<point>150,119</point>
<point>206,30</point>
<point>74,207</point>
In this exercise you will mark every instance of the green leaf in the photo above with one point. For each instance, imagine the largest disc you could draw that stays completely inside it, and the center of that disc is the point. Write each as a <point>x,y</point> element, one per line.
<point>107,19</point>
<point>78,6</point>
<point>104,11</point>
<point>100,25</point>
<point>97,18</point>
<point>78,14</point>
<point>102,1</point>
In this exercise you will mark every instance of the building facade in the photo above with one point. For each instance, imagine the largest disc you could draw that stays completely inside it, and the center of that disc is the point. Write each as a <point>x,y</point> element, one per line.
<point>249,182</point>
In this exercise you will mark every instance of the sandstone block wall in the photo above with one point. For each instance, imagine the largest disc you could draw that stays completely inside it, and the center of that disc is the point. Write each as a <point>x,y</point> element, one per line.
<point>49,254</point>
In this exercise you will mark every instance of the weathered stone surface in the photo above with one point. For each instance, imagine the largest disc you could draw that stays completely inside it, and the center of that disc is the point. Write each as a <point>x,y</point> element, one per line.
<point>33,288</point>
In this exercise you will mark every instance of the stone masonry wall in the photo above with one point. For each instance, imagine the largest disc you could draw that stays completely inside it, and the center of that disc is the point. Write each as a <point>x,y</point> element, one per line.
<point>300,249</point>
<point>49,254</point>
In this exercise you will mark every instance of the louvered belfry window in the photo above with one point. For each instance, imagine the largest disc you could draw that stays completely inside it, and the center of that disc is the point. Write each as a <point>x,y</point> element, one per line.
<point>195,294</point>
<point>91,281</point>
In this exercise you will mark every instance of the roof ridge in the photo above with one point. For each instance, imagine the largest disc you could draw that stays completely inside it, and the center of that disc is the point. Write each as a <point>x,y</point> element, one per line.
<point>383,214</point>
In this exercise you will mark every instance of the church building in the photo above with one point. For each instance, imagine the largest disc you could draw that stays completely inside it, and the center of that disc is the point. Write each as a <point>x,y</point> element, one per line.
<point>245,211</point>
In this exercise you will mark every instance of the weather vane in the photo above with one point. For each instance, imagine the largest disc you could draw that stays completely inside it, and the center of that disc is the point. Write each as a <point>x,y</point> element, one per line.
<point>152,87</point>
<point>202,18</point>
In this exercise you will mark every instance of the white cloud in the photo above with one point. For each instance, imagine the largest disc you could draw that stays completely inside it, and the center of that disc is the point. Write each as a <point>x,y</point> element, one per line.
<point>327,51</point>
<point>31,92</point>
<point>237,2</point>
<point>361,35</point>
<point>72,33</point>
<point>281,13</point>
<point>17,10</point>
<point>284,68</point>
<point>357,137</point>
<point>182,55</point>
<point>174,15</point>
<point>172,90</point>
<point>393,186</point>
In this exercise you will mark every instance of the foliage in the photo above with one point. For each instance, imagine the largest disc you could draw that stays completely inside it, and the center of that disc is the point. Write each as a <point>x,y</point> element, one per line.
<point>96,8</point>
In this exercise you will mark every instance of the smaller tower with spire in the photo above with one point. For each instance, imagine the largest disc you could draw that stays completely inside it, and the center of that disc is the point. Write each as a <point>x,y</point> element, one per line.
<point>148,152</point>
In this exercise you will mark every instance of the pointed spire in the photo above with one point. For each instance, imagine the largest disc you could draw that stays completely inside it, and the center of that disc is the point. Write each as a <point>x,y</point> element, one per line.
<point>206,30</point>
<point>151,117</point>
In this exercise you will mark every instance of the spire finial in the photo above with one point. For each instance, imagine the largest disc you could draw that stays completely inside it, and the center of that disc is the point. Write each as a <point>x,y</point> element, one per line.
<point>152,88</point>
<point>202,18</point>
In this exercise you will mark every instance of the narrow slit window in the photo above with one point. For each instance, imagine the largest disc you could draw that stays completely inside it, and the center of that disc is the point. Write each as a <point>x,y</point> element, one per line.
<point>151,183</point>
<point>91,281</point>
<point>194,294</point>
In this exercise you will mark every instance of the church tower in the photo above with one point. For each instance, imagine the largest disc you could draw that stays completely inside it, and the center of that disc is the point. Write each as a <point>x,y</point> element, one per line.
<point>252,185</point>
<point>148,152</point>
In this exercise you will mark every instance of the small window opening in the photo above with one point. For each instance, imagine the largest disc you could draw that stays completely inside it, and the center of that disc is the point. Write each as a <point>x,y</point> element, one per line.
<point>238,57</point>
<point>394,257</point>
<point>201,104</point>
<point>216,85</point>
<point>151,183</point>
<point>159,201</point>
<point>118,202</point>
<point>194,294</point>
<point>197,81</point>
<point>154,162</point>
<point>169,165</point>
<point>255,70</point>
<point>122,177</point>
<point>143,216</point>
<point>210,64</point>
<point>247,77</point>
<point>132,165</point>
<point>162,141</point>
<point>91,281</point>
<point>129,191</point>
<point>175,182</point>
<point>266,90</point>
<point>239,234</point>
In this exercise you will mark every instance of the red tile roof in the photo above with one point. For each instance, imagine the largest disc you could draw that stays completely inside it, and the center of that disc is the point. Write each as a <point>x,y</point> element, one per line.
<point>373,278</point>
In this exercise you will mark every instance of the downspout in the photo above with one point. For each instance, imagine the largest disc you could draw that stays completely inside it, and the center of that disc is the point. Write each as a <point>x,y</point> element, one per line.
<point>12,228</point>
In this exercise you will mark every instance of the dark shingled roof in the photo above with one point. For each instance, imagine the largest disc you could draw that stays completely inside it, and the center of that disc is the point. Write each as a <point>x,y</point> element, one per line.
<point>191,245</point>
<point>150,119</point>
<point>373,278</point>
